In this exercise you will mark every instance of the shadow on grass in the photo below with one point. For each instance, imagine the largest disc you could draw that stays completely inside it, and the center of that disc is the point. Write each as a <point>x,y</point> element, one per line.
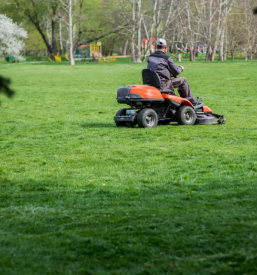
<point>44,217</point>
<point>112,125</point>
<point>98,125</point>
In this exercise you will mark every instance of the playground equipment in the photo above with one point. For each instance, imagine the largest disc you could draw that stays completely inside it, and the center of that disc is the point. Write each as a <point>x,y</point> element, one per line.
<point>151,48</point>
<point>202,48</point>
<point>83,51</point>
<point>56,58</point>
<point>107,59</point>
<point>93,52</point>
<point>89,51</point>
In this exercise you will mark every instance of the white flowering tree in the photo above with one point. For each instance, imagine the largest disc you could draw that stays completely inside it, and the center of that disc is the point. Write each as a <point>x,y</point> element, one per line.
<point>11,37</point>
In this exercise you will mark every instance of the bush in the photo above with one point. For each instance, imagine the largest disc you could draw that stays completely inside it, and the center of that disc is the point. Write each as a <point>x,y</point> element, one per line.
<point>36,58</point>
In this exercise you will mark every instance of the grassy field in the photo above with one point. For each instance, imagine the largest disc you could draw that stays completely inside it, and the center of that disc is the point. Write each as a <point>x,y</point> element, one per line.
<point>80,196</point>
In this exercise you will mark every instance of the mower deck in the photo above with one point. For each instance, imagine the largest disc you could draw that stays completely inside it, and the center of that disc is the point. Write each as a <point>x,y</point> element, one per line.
<point>201,119</point>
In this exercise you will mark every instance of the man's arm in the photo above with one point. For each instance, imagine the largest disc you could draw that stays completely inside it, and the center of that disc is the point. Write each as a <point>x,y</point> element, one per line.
<point>174,69</point>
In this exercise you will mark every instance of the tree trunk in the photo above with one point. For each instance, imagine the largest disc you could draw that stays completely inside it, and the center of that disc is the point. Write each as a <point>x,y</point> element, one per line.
<point>191,44</point>
<point>192,53</point>
<point>221,56</point>
<point>124,52</point>
<point>209,53</point>
<point>133,57</point>
<point>54,45</point>
<point>246,55</point>
<point>213,54</point>
<point>74,31</point>
<point>178,56</point>
<point>225,44</point>
<point>139,24</point>
<point>209,33</point>
<point>60,38</point>
<point>70,35</point>
<point>147,37</point>
<point>48,34</point>
<point>221,53</point>
<point>48,46</point>
<point>232,56</point>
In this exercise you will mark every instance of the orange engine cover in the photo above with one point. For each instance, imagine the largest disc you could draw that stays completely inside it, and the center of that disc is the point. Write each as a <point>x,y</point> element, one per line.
<point>178,99</point>
<point>146,92</point>
<point>206,109</point>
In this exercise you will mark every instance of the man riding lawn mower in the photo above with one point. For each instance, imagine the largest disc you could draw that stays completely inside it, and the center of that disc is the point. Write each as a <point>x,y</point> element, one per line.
<point>155,102</point>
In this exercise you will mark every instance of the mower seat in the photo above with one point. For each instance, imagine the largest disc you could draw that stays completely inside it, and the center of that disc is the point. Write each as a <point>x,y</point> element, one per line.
<point>151,78</point>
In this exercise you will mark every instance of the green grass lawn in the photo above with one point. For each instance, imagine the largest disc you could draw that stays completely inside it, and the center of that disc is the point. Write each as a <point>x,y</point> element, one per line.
<point>80,196</point>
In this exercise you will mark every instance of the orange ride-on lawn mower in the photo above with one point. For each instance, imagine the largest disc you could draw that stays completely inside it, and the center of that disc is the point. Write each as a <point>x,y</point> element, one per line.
<point>150,105</point>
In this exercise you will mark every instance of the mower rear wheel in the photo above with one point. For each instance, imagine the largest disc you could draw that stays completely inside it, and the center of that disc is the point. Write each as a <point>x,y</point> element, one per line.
<point>147,118</point>
<point>186,115</point>
<point>121,112</point>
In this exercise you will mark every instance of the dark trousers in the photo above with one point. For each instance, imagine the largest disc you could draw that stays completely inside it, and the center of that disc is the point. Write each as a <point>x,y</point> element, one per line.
<point>181,84</point>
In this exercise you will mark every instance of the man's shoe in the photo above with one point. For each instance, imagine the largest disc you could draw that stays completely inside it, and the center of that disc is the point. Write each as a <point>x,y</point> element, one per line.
<point>196,101</point>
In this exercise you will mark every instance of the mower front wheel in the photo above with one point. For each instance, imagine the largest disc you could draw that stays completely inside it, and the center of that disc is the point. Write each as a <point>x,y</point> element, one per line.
<point>147,118</point>
<point>186,115</point>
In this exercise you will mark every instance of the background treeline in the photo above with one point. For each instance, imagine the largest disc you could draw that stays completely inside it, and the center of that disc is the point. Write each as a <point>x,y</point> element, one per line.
<point>224,25</point>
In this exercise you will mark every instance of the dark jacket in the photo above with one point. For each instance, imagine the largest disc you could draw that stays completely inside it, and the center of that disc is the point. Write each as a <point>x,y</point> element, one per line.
<point>163,65</point>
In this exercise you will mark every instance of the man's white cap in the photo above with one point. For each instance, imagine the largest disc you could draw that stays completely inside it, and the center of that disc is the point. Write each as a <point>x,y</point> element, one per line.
<point>161,42</point>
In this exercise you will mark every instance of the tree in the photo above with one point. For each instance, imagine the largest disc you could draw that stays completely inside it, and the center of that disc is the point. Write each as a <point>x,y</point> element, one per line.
<point>235,35</point>
<point>248,26</point>
<point>158,19</point>
<point>70,34</point>
<point>35,11</point>
<point>183,23</point>
<point>67,7</point>
<point>213,19</point>
<point>11,37</point>
<point>133,31</point>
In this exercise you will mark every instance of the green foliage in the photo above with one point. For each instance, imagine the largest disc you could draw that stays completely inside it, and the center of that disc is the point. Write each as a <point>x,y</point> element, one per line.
<point>80,196</point>
<point>36,58</point>
<point>34,43</point>
<point>93,19</point>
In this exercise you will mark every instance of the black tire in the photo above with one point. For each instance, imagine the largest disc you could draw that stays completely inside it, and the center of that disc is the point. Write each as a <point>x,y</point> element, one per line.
<point>121,112</point>
<point>186,115</point>
<point>147,118</point>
